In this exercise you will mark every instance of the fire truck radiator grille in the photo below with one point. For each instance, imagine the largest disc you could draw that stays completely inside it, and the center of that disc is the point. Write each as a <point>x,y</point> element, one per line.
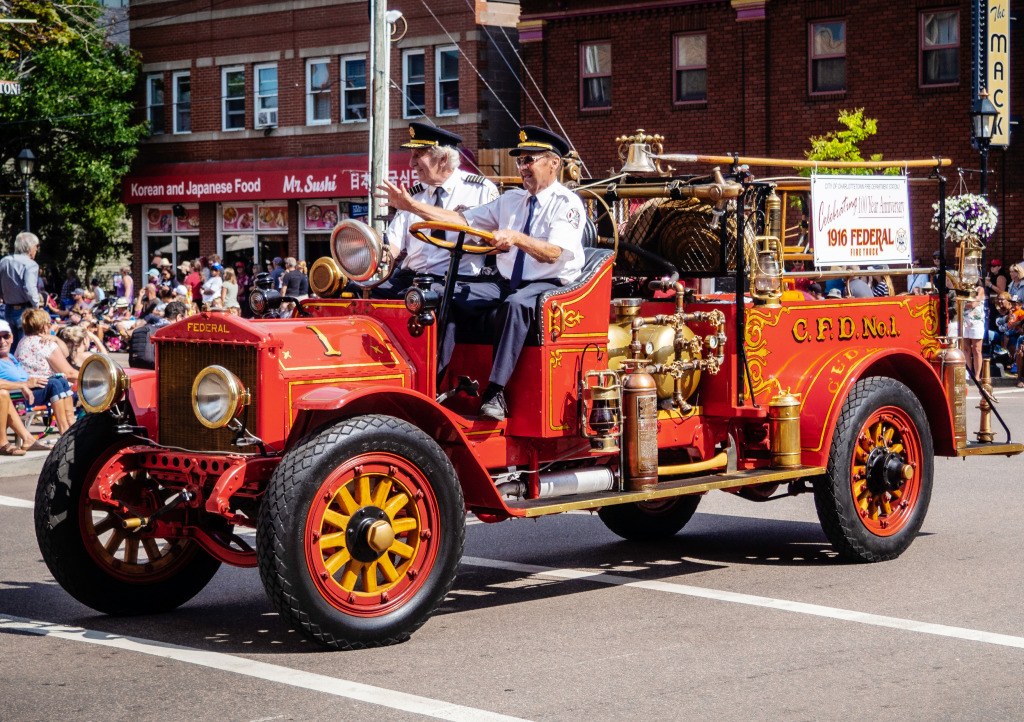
<point>179,364</point>
<point>682,232</point>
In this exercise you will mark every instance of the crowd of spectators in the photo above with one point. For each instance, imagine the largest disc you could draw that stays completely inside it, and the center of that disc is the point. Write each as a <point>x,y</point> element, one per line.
<point>52,323</point>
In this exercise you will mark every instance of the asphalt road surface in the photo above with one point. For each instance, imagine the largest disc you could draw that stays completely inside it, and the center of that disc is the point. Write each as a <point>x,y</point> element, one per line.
<point>745,615</point>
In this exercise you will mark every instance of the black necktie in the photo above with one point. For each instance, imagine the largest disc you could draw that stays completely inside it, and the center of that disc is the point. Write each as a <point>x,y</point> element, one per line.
<point>517,267</point>
<point>440,235</point>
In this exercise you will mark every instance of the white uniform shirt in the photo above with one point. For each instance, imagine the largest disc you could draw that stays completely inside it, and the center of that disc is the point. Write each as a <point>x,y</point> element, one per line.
<point>424,257</point>
<point>558,218</point>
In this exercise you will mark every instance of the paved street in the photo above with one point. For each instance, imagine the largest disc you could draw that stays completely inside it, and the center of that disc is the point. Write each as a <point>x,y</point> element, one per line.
<point>745,615</point>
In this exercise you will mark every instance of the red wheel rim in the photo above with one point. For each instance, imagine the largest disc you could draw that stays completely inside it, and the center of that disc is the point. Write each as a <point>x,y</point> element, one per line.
<point>137,557</point>
<point>886,471</point>
<point>392,494</point>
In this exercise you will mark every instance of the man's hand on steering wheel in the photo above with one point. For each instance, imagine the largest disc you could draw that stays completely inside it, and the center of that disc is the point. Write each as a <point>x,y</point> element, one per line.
<point>505,239</point>
<point>417,230</point>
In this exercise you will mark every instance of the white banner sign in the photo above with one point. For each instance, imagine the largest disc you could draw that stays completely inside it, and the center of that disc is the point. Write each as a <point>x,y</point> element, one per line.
<point>860,220</point>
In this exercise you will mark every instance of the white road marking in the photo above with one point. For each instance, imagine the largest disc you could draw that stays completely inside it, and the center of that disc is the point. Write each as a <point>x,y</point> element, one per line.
<point>11,501</point>
<point>816,610</point>
<point>259,670</point>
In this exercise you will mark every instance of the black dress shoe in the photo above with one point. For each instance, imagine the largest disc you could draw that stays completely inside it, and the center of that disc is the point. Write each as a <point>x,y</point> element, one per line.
<point>494,407</point>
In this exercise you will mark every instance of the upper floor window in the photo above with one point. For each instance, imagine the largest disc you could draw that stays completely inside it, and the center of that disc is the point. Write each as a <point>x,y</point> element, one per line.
<point>414,87</point>
<point>155,103</point>
<point>828,57</point>
<point>447,71</point>
<point>318,92</point>
<point>940,48</point>
<point>353,89</point>
<point>596,75</point>
<point>265,86</point>
<point>233,98</point>
<point>691,68</point>
<point>182,83</point>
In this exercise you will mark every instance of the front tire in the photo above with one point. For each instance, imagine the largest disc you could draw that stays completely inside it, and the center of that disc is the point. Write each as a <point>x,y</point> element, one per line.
<point>361,532</point>
<point>647,521</point>
<point>874,495</point>
<point>83,544</point>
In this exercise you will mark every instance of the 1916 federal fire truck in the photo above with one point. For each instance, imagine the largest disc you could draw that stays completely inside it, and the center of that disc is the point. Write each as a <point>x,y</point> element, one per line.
<point>328,430</point>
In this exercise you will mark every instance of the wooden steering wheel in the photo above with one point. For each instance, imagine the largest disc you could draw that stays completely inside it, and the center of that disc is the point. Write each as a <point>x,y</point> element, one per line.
<point>417,229</point>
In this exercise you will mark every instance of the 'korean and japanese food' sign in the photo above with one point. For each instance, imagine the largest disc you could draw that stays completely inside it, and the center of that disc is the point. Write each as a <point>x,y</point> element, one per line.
<point>860,220</point>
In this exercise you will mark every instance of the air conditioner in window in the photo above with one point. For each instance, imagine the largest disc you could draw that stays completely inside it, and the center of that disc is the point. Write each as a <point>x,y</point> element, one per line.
<point>267,118</point>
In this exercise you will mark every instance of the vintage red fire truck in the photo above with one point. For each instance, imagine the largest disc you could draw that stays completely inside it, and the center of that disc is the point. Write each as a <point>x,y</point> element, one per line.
<point>328,431</point>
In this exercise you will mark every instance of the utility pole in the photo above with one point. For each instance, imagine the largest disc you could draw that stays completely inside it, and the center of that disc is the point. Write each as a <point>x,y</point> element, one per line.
<point>380,121</point>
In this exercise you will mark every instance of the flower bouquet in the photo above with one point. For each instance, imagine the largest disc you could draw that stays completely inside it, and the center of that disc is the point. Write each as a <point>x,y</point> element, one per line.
<point>967,215</point>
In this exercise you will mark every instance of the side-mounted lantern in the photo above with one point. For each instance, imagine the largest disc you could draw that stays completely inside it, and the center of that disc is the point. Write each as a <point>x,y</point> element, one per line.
<point>970,252</point>
<point>766,286</point>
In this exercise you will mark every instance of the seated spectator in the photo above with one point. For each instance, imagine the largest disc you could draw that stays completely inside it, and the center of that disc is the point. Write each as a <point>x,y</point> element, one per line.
<point>860,288</point>
<point>97,291</point>
<point>81,343</point>
<point>38,389</point>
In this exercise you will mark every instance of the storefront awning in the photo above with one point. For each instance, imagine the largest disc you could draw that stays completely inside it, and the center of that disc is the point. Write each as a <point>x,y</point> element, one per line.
<point>328,176</point>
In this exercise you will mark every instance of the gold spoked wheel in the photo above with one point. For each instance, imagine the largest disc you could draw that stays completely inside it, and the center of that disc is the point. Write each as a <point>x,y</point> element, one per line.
<point>884,471</point>
<point>368,534</point>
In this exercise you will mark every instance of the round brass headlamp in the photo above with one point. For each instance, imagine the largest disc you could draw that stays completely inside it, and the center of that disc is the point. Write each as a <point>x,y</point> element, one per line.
<point>217,397</point>
<point>326,279</point>
<point>101,383</point>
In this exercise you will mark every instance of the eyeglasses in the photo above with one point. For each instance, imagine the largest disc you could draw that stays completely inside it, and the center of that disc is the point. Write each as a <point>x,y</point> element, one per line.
<point>6,336</point>
<point>525,160</point>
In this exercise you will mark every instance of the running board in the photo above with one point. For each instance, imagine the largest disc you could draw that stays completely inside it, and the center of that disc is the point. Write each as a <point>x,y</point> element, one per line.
<point>664,490</point>
<point>980,449</point>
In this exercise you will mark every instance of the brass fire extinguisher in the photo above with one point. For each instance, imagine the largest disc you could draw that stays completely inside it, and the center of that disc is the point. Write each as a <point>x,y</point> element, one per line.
<point>640,431</point>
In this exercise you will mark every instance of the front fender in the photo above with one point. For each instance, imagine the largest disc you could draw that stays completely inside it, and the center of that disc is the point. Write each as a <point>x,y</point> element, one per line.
<point>143,397</point>
<point>823,398</point>
<point>325,405</point>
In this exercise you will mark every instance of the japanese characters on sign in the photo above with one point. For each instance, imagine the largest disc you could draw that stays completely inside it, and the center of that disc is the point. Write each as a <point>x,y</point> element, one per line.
<point>860,220</point>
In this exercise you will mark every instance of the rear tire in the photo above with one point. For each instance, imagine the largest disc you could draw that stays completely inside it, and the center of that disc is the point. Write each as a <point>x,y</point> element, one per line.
<point>874,495</point>
<point>647,521</point>
<point>361,532</point>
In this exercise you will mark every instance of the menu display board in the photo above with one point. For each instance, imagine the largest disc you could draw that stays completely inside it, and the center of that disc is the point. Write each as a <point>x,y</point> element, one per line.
<point>237,217</point>
<point>321,216</point>
<point>272,218</point>
<point>159,220</point>
<point>189,223</point>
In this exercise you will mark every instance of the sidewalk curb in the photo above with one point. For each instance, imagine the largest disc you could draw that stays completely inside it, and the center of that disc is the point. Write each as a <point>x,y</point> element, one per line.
<point>29,464</point>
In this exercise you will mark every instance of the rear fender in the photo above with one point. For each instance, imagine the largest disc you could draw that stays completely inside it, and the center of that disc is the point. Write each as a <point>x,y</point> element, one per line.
<point>322,406</point>
<point>818,419</point>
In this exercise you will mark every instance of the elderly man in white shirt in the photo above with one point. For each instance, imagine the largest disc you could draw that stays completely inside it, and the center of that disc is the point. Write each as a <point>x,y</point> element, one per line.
<point>444,185</point>
<point>541,228</point>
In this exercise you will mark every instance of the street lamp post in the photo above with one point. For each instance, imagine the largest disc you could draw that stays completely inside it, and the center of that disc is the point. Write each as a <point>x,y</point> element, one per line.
<point>26,164</point>
<point>983,117</point>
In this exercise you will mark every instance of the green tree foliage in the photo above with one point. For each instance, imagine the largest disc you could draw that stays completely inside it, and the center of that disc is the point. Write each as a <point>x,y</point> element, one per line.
<point>75,113</point>
<point>843,145</point>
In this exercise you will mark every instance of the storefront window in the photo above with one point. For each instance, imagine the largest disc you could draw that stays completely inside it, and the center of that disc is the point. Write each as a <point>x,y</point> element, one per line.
<point>316,221</point>
<point>253,232</point>
<point>175,236</point>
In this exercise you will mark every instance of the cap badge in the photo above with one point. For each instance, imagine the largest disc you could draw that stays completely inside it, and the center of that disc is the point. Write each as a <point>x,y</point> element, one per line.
<point>412,132</point>
<point>522,136</point>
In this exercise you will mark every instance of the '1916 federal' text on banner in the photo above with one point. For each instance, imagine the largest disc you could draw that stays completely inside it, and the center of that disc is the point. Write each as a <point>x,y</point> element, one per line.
<point>860,220</point>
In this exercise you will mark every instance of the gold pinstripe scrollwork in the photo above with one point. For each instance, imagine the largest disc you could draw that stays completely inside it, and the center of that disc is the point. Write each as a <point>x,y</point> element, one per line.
<point>757,346</point>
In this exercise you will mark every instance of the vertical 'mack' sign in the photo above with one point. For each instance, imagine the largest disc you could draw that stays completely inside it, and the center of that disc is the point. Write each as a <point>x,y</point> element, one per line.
<point>997,51</point>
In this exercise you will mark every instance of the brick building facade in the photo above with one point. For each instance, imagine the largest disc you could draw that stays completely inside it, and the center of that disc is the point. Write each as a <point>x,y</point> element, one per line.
<point>259,114</point>
<point>759,77</point>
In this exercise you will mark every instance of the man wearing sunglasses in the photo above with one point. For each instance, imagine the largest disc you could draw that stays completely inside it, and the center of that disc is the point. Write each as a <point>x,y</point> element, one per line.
<point>539,230</point>
<point>442,184</point>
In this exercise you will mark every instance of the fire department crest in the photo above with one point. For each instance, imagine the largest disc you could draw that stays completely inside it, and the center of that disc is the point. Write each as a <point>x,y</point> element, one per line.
<point>573,216</point>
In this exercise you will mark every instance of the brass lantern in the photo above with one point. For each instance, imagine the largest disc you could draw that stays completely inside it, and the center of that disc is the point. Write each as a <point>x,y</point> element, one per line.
<point>970,251</point>
<point>766,286</point>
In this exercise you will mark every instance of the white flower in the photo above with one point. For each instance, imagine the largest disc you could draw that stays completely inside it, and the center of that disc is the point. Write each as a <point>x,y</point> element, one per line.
<point>967,215</point>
